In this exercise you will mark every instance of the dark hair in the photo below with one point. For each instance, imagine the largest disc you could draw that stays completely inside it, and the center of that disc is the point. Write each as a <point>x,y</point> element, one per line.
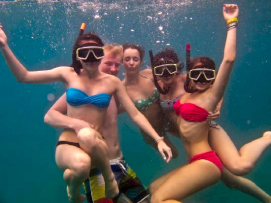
<point>165,56</point>
<point>204,60</point>
<point>140,49</point>
<point>88,36</point>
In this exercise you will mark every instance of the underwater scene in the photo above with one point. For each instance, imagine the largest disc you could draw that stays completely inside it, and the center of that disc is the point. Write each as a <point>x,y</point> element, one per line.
<point>41,33</point>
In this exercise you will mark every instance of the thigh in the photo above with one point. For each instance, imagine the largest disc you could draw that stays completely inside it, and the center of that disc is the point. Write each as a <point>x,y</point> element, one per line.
<point>222,145</point>
<point>68,156</point>
<point>158,182</point>
<point>188,180</point>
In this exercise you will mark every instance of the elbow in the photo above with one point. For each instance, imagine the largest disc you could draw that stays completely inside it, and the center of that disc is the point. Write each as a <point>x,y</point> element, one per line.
<point>230,61</point>
<point>46,118</point>
<point>22,79</point>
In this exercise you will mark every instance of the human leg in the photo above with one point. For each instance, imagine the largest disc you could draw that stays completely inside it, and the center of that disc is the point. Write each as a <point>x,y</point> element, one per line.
<point>244,185</point>
<point>158,182</point>
<point>76,165</point>
<point>94,145</point>
<point>242,162</point>
<point>186,181</point>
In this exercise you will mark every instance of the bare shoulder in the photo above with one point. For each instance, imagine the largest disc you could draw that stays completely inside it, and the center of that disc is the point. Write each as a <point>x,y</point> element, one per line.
<point>112,78</point>
<point>65,68</point>
<point>147,72</point>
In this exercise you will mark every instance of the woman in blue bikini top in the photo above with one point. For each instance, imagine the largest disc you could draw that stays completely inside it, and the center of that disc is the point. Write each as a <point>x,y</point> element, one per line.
<point>88,94</point>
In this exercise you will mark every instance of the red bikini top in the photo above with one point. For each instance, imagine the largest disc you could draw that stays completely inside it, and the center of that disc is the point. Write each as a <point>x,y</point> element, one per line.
<point>190,112</point>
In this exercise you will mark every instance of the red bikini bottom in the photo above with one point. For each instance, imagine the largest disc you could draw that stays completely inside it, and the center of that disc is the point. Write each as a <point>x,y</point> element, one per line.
<point>209,156</point>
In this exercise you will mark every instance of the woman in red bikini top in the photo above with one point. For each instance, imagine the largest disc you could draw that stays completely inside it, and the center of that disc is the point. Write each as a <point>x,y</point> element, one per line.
<point>206,90</point>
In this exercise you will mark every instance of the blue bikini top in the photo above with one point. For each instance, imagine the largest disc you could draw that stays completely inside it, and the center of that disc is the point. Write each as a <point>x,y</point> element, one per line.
<point>76,97</point>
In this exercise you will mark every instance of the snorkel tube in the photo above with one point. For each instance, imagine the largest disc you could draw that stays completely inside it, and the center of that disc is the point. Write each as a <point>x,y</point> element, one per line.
<point>162,91</point>
<point>187,86</point>
<point>187,57</point>
<point>82,29</point>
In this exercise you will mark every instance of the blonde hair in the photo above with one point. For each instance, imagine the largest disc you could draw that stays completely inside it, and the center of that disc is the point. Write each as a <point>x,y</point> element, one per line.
<point>114,50</point>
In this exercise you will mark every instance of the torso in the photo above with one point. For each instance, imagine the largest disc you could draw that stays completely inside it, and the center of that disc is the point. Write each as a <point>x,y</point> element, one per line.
<point>195,134</point>
<point>144,91</point>
<point>90,113</point>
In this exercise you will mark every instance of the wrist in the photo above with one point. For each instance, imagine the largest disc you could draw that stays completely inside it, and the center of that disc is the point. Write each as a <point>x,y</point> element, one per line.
<point>159,139</point>
<point>232,23</point>
<point>231,20</point>
<point>73,123</point>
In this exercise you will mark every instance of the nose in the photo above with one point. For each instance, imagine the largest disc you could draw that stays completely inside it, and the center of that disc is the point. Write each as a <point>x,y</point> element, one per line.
<point>131,62</point>
<point>113,68</point>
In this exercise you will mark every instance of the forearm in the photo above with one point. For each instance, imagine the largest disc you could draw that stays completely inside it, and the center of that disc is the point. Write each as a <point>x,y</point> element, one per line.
<point>18,70</point>
<point>230,46</point>
<point>144,125</point>
<point>58,120</point>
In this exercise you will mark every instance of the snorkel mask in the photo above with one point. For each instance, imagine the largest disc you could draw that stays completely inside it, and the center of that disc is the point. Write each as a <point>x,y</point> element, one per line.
<point>202,74</point>
<point>167,69</point>
<point>90,52</point>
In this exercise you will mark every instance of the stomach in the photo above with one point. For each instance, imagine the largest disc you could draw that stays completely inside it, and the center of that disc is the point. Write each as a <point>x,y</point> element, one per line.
<point>195,137</point>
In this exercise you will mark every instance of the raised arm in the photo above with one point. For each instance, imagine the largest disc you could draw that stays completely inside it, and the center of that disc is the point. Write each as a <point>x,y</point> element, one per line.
<point>230,12</point>
<point>20,72</point>
<point>140,120</point>
<point>56,116</point>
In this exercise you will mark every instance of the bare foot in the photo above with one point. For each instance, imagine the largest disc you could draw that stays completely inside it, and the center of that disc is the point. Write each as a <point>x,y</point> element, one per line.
<point>111,189</point>
<point>79,199</point>
<point>267,135</point>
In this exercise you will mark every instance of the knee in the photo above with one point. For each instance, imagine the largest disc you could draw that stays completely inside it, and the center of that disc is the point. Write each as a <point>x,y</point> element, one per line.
<point>81,165</point>
<point>152,189</point>
<point>156,198</point>
<point>230,183</point>
<point>241,168</point>
<point>87,135</point>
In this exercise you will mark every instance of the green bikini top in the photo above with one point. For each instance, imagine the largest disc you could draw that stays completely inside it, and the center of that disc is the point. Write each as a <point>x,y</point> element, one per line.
<point>143,104</point>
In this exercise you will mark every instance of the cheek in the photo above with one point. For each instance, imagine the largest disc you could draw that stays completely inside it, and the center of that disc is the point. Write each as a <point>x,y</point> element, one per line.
<point>125,64</point>
<point>105,69</point>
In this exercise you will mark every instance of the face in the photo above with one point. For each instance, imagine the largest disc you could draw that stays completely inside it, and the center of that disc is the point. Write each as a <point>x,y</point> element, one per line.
<point>201,85</point>
<point>167,77</point>
<point>131,60</point>
<point>110,64</point>
<point>88,64</point>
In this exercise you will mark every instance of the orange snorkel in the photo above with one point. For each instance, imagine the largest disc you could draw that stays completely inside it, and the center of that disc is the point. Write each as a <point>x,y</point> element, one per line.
<point>82,29</point>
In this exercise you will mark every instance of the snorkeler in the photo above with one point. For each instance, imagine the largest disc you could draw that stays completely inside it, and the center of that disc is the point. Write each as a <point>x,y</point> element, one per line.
<point>167,70</point>
<point>192,110</point>
<point>78,151</point>
<point>131,188</point>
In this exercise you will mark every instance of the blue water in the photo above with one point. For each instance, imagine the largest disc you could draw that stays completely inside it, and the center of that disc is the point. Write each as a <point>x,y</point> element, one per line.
<point>41,34</point>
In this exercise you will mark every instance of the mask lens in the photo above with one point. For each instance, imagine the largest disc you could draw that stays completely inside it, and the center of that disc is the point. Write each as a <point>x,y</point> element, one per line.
<point>98,52</point>
<point>209,74</point>
<point>194,74</point>
<point>83,53</point>
<point>159,70</point>
<point>171,68</point>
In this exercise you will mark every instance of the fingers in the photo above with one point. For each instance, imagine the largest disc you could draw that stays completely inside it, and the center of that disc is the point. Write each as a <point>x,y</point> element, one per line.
<point>169,155</point>
<point>230,7</point>
<point>163,154</point>
<point>166,154</point>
